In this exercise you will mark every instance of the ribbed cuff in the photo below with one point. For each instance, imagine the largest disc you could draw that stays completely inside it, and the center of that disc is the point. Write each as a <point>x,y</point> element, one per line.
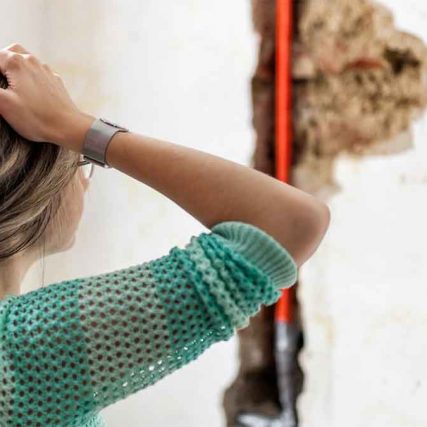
<point>261,249</point>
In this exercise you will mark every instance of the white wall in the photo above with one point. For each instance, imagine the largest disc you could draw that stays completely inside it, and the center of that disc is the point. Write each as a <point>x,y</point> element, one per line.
<point>173,70</point>
<point>364,292</point>
<point>180,71</point>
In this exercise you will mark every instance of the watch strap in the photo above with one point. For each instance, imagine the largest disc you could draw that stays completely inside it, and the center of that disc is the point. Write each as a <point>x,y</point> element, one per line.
<point>97,139</point>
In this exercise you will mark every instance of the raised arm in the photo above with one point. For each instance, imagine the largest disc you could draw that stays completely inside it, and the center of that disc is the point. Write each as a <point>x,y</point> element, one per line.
<point>210,188</point>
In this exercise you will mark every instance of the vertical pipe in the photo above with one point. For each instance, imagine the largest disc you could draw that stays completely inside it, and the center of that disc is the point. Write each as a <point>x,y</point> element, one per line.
<point>283,113</point>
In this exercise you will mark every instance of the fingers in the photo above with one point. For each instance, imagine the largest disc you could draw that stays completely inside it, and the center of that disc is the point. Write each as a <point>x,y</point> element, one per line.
<point>10,57</point>
<point>4,58</point>
<point>6,96</point>
<point>16,47</point>
<point>7,54</point>
<point>13,57</point>
<point>49,69</point>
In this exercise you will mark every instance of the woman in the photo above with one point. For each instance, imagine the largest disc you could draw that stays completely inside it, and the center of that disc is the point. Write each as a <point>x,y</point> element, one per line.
<point>72,348</point>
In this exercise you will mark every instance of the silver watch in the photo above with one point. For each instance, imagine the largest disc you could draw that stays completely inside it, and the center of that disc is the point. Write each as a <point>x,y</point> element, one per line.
<point>97,139</point>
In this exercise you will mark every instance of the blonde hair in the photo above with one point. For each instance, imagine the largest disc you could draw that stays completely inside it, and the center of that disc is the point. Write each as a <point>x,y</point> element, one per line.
<point>32,177</point>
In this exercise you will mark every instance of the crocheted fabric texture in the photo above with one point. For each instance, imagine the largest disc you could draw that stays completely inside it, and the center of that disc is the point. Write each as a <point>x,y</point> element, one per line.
<point>74,347</point>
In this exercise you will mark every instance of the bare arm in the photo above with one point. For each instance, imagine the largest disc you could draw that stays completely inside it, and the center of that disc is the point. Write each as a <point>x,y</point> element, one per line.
<point>213,189</point>
<point>210,188</point>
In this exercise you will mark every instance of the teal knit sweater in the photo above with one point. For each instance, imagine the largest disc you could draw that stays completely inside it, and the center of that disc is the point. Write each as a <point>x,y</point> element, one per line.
<point>74,347</point>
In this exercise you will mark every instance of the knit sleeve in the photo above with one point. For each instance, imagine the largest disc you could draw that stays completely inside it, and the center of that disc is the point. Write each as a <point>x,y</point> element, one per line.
<point>74,347</point>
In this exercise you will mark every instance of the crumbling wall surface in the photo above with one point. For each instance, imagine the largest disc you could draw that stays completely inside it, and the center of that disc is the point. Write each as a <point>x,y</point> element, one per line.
<point>255,388</point>
<point>360,293</point>
<point>263,86</point>
<point>358,84</point>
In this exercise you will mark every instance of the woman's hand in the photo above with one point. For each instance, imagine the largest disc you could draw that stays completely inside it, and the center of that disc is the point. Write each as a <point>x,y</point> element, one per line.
<point>36,103</point>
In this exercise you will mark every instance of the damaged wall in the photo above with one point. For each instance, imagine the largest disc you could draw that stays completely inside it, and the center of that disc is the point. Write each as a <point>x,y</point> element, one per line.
<point>364,321</point>
<point>358,83</point>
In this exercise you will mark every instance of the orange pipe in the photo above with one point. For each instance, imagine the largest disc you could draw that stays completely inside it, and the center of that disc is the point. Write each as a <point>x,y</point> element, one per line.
<point>283,113</point>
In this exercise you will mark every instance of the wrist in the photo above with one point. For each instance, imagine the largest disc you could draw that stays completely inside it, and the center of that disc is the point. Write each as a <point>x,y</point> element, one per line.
<point>73,130</point>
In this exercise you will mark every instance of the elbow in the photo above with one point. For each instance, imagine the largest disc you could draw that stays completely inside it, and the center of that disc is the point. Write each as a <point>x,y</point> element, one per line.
<point>323,220</point>
<point>310,230</point>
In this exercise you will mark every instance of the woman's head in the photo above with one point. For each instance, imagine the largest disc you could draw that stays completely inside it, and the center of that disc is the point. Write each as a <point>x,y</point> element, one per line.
<point>41,193</point>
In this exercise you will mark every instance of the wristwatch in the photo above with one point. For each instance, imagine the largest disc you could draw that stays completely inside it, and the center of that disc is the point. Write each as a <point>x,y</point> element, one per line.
<point>97,139</point>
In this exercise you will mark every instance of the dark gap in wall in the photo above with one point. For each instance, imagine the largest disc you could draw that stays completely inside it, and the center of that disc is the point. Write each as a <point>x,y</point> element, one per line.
<point>358,84</point>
